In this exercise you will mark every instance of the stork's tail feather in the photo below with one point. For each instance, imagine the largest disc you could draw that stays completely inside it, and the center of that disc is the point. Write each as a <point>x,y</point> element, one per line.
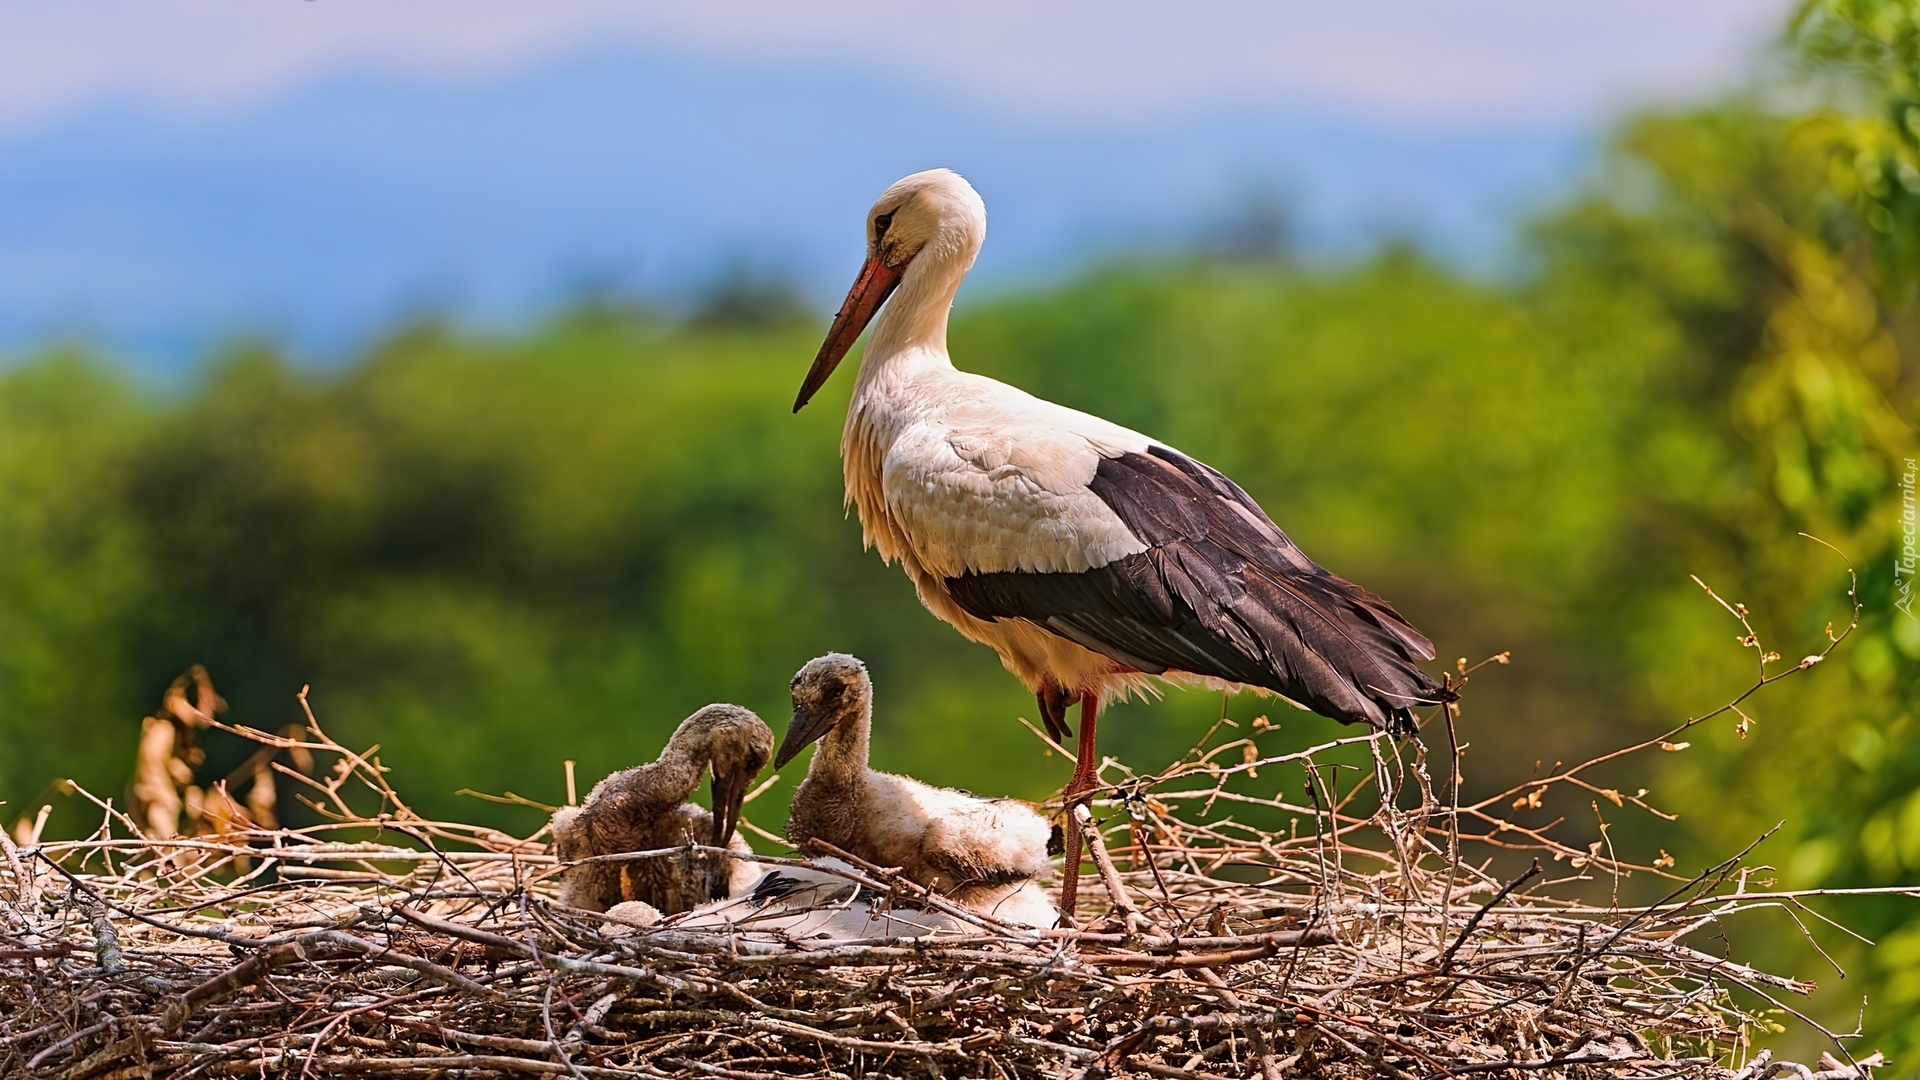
<point>1402,723</point>
<point>1341,650</point>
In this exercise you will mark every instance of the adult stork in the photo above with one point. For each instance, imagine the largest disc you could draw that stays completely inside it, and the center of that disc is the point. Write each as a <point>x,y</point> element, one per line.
<point>1090,557</point>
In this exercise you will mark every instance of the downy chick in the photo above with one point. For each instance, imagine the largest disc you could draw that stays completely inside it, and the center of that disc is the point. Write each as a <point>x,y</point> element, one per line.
<point>645,809</point>
<point>979,852</point>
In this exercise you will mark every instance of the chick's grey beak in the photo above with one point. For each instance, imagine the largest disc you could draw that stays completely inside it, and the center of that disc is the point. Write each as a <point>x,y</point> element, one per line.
<point>729,792</point>
<point>802,730</point>
<point>876,282</point>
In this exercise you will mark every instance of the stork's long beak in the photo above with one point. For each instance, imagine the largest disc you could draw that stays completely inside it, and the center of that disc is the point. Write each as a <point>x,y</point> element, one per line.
<point>876,282</point>
<point>804,729</point>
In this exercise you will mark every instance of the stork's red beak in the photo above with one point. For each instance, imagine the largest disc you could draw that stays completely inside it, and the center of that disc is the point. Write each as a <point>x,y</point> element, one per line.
<point>876,282</point>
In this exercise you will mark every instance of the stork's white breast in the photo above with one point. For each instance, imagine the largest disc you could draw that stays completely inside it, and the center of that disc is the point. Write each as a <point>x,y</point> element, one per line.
<point>983,477</point>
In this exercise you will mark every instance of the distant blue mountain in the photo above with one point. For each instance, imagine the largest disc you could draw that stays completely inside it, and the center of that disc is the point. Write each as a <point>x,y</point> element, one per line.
<point>328,215</point>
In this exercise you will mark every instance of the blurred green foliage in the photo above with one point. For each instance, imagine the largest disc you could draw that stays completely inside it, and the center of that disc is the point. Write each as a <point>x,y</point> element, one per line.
<point>492,555</point>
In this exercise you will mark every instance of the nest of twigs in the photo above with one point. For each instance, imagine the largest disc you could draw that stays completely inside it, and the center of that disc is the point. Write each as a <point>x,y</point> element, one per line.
<point>1358,941</point>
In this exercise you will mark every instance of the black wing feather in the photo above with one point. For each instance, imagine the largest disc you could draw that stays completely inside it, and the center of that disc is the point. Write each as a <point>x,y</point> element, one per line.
<point>1221,592</point>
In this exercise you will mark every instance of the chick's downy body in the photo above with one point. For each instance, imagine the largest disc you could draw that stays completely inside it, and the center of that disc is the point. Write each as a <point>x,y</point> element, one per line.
<point>976,850</point>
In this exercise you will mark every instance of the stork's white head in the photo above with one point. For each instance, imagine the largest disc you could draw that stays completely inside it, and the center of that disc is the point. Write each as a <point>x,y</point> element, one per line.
<point>926,228</point>
<point>934,215</point>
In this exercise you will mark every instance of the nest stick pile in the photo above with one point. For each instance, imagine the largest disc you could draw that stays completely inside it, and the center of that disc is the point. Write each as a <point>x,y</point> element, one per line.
<point>1362,939</point>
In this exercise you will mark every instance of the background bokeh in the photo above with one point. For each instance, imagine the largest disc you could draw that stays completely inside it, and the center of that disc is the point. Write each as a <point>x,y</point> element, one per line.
<point>520,519</point>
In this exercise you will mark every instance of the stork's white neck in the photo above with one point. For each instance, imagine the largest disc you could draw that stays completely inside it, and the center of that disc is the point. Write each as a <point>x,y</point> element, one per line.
<point>912,328</point>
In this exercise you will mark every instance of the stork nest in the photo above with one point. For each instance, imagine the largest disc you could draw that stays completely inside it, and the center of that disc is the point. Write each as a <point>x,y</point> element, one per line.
<point>1363,939</point>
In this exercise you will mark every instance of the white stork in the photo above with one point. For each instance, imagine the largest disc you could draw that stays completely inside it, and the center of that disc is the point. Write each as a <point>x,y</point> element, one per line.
<point>1090,557</point>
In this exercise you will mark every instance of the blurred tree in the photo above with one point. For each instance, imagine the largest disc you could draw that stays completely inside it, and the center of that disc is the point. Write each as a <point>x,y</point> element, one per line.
<point>71,567</point>
<point>746,298</point>
<point>1771,253</point>
<point>1257,229</point>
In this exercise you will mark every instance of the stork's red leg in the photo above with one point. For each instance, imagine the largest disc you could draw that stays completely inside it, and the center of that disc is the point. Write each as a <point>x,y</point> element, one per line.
<point>1086,765</point>
<point>1085,769</point>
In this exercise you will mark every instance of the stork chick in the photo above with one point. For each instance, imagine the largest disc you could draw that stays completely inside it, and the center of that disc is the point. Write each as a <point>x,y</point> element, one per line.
<point>646,809</point>
<point>982,853</point>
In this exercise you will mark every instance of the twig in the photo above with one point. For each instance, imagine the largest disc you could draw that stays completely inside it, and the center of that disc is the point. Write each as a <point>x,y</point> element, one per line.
<point>1446,960</point>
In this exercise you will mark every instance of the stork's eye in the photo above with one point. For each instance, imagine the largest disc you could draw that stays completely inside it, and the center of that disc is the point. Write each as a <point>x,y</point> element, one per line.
<point>881,223</point>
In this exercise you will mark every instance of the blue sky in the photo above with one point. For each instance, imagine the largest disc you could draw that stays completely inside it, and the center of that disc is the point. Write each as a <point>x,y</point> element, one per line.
<point>177,172</point>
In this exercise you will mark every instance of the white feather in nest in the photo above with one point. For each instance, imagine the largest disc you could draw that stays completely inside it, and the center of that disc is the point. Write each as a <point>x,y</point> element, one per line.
<point>816,905</point>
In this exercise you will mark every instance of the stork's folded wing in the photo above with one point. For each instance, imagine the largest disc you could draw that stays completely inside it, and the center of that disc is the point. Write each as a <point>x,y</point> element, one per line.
<point>1007,490</point>
<point>1220,592</point>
